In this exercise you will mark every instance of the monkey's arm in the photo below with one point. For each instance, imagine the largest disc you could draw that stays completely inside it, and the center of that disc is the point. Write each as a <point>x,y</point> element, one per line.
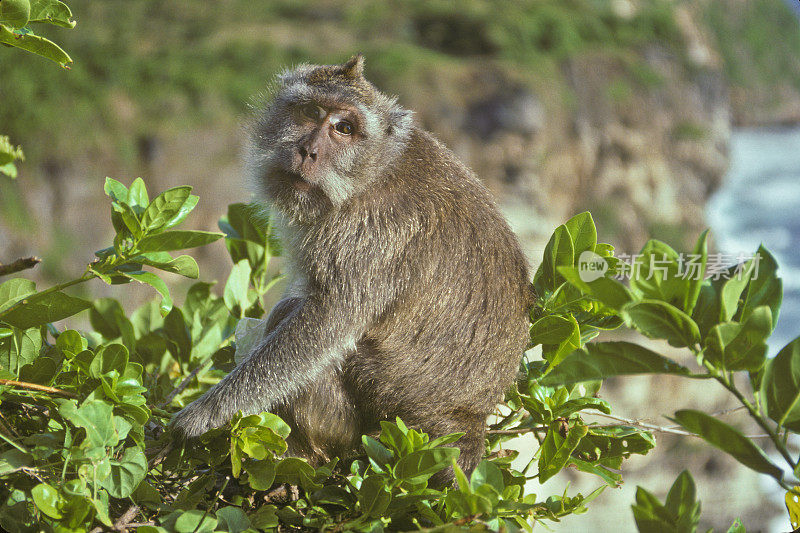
<point>312,335</point>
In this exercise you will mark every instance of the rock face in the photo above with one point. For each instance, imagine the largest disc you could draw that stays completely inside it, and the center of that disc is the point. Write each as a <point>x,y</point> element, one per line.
<point>640,141</point>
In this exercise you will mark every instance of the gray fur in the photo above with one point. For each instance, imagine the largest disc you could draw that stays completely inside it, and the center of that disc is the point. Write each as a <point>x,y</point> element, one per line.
<point>410,294</point>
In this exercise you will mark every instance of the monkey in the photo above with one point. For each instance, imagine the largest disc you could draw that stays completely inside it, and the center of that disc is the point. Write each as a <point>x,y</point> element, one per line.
<point>408,293</point>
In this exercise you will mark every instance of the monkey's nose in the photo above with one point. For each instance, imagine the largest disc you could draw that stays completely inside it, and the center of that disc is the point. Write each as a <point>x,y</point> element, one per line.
<point>308,154</point>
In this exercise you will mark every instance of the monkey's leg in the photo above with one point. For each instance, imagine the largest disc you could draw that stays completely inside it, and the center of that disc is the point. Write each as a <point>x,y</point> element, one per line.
<point>324,421</point>
<point>471,445</point>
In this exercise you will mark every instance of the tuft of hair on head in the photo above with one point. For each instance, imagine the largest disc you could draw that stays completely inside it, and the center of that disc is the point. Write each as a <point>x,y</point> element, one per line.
<point>353,68</point>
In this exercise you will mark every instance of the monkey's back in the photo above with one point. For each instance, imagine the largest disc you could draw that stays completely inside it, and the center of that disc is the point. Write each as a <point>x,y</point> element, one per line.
<point>458,324</point>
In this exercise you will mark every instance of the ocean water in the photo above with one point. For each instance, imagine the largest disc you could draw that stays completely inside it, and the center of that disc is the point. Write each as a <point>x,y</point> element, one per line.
<point>759,202</point>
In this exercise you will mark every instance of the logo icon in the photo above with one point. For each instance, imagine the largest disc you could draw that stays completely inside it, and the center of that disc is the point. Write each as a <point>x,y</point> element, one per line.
<point>591,266</point>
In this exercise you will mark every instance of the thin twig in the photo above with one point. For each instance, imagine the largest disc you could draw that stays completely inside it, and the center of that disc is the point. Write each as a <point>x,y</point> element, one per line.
<point>36,387</point>
<point>213,503</point>
<point>23,263</point>
<point>727,411</point>
<point>185,383</point>
<point>663,429</point>
<point>159,457</point>
<point>518,431</point>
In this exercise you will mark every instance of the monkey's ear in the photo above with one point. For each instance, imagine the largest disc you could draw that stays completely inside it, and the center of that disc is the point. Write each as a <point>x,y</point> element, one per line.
<point>354,67</point>
<point>399,121</point>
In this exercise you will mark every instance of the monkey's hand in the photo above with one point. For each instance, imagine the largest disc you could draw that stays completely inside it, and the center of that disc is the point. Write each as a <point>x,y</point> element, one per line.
<point>197,418</point>
<point>213,409</point>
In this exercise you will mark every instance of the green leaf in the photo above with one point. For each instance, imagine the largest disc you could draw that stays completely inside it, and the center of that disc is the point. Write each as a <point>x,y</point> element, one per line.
<point>729,440</point>
<point>556,450</point>
<point>184,211</point>
<point>261,474</point>
<point>487,473</point>
<point>659,320</point>
<point>583,233</point>
<point>164,208</point>
<point>51,11</point>
<point>15,13</point>
<point>236,288</point>
<point>47,500</point>
<point>130,223</point>
<point>551,329</point>
<point>377,453</point>
<point>177,240</point>
<point>71,341</point>
<point>558,252</point>
<point>420,465</point>
<point>734,346</point>
<point>555,354</point>
<point>47,308</point>
<point>19,348</point>
<point>14,290</point>
<point>780,386</point>
<point>35,44</point>
<point>706,309</point>
<point>732,289</point>
<point>600,360</point>
<point>650,515</point>
<point>43,371</point>
<point>108,318</point>
<point>116,190</point>
<point>765,287</point>
<point>137,196</point>
<point>373,496</point>
<point>107,358</point>
<point>681,499</point>
<point>696,276</point>
<point>158,284</point>
<point>126,474</point>
<point>233,520</point>
<point>183,264</point>
<point>656,275</point>
<point>195,521</point>
<point>606,290</point>
<point>14,460</point>
<point>96,417</point>
<point>737,527</point>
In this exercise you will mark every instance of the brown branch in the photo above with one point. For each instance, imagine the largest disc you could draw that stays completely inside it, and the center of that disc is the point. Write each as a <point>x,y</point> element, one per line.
<point>159,457</point>
<point>24,263</point>
<point>123,521</point>
<point>185,383</point>
<point>36,387</point>
<point>283,493</point>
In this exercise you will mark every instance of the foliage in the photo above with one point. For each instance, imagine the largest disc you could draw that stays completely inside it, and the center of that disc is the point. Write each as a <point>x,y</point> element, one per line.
<point>679,513</point>
<point>8,154</point>
<point>15,15</point>
<point>83,413</point>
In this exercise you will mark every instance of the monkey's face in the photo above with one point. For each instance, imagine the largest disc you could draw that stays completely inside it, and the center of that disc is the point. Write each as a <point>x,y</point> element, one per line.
<point>325,137</point>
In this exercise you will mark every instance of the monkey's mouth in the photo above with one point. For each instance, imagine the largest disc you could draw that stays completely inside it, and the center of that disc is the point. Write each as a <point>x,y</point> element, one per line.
<point>296,181</point>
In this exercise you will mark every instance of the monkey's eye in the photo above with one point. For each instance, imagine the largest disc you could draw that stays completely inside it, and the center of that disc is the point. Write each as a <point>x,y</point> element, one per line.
<point>343,127</point>
<point>314,112</point>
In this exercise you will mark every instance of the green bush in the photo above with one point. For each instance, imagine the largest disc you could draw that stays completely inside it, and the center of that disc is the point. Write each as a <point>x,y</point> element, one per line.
<point>84,413</point>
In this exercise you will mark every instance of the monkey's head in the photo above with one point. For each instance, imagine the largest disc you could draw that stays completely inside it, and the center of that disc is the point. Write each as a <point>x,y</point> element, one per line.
<point>326,135</point>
